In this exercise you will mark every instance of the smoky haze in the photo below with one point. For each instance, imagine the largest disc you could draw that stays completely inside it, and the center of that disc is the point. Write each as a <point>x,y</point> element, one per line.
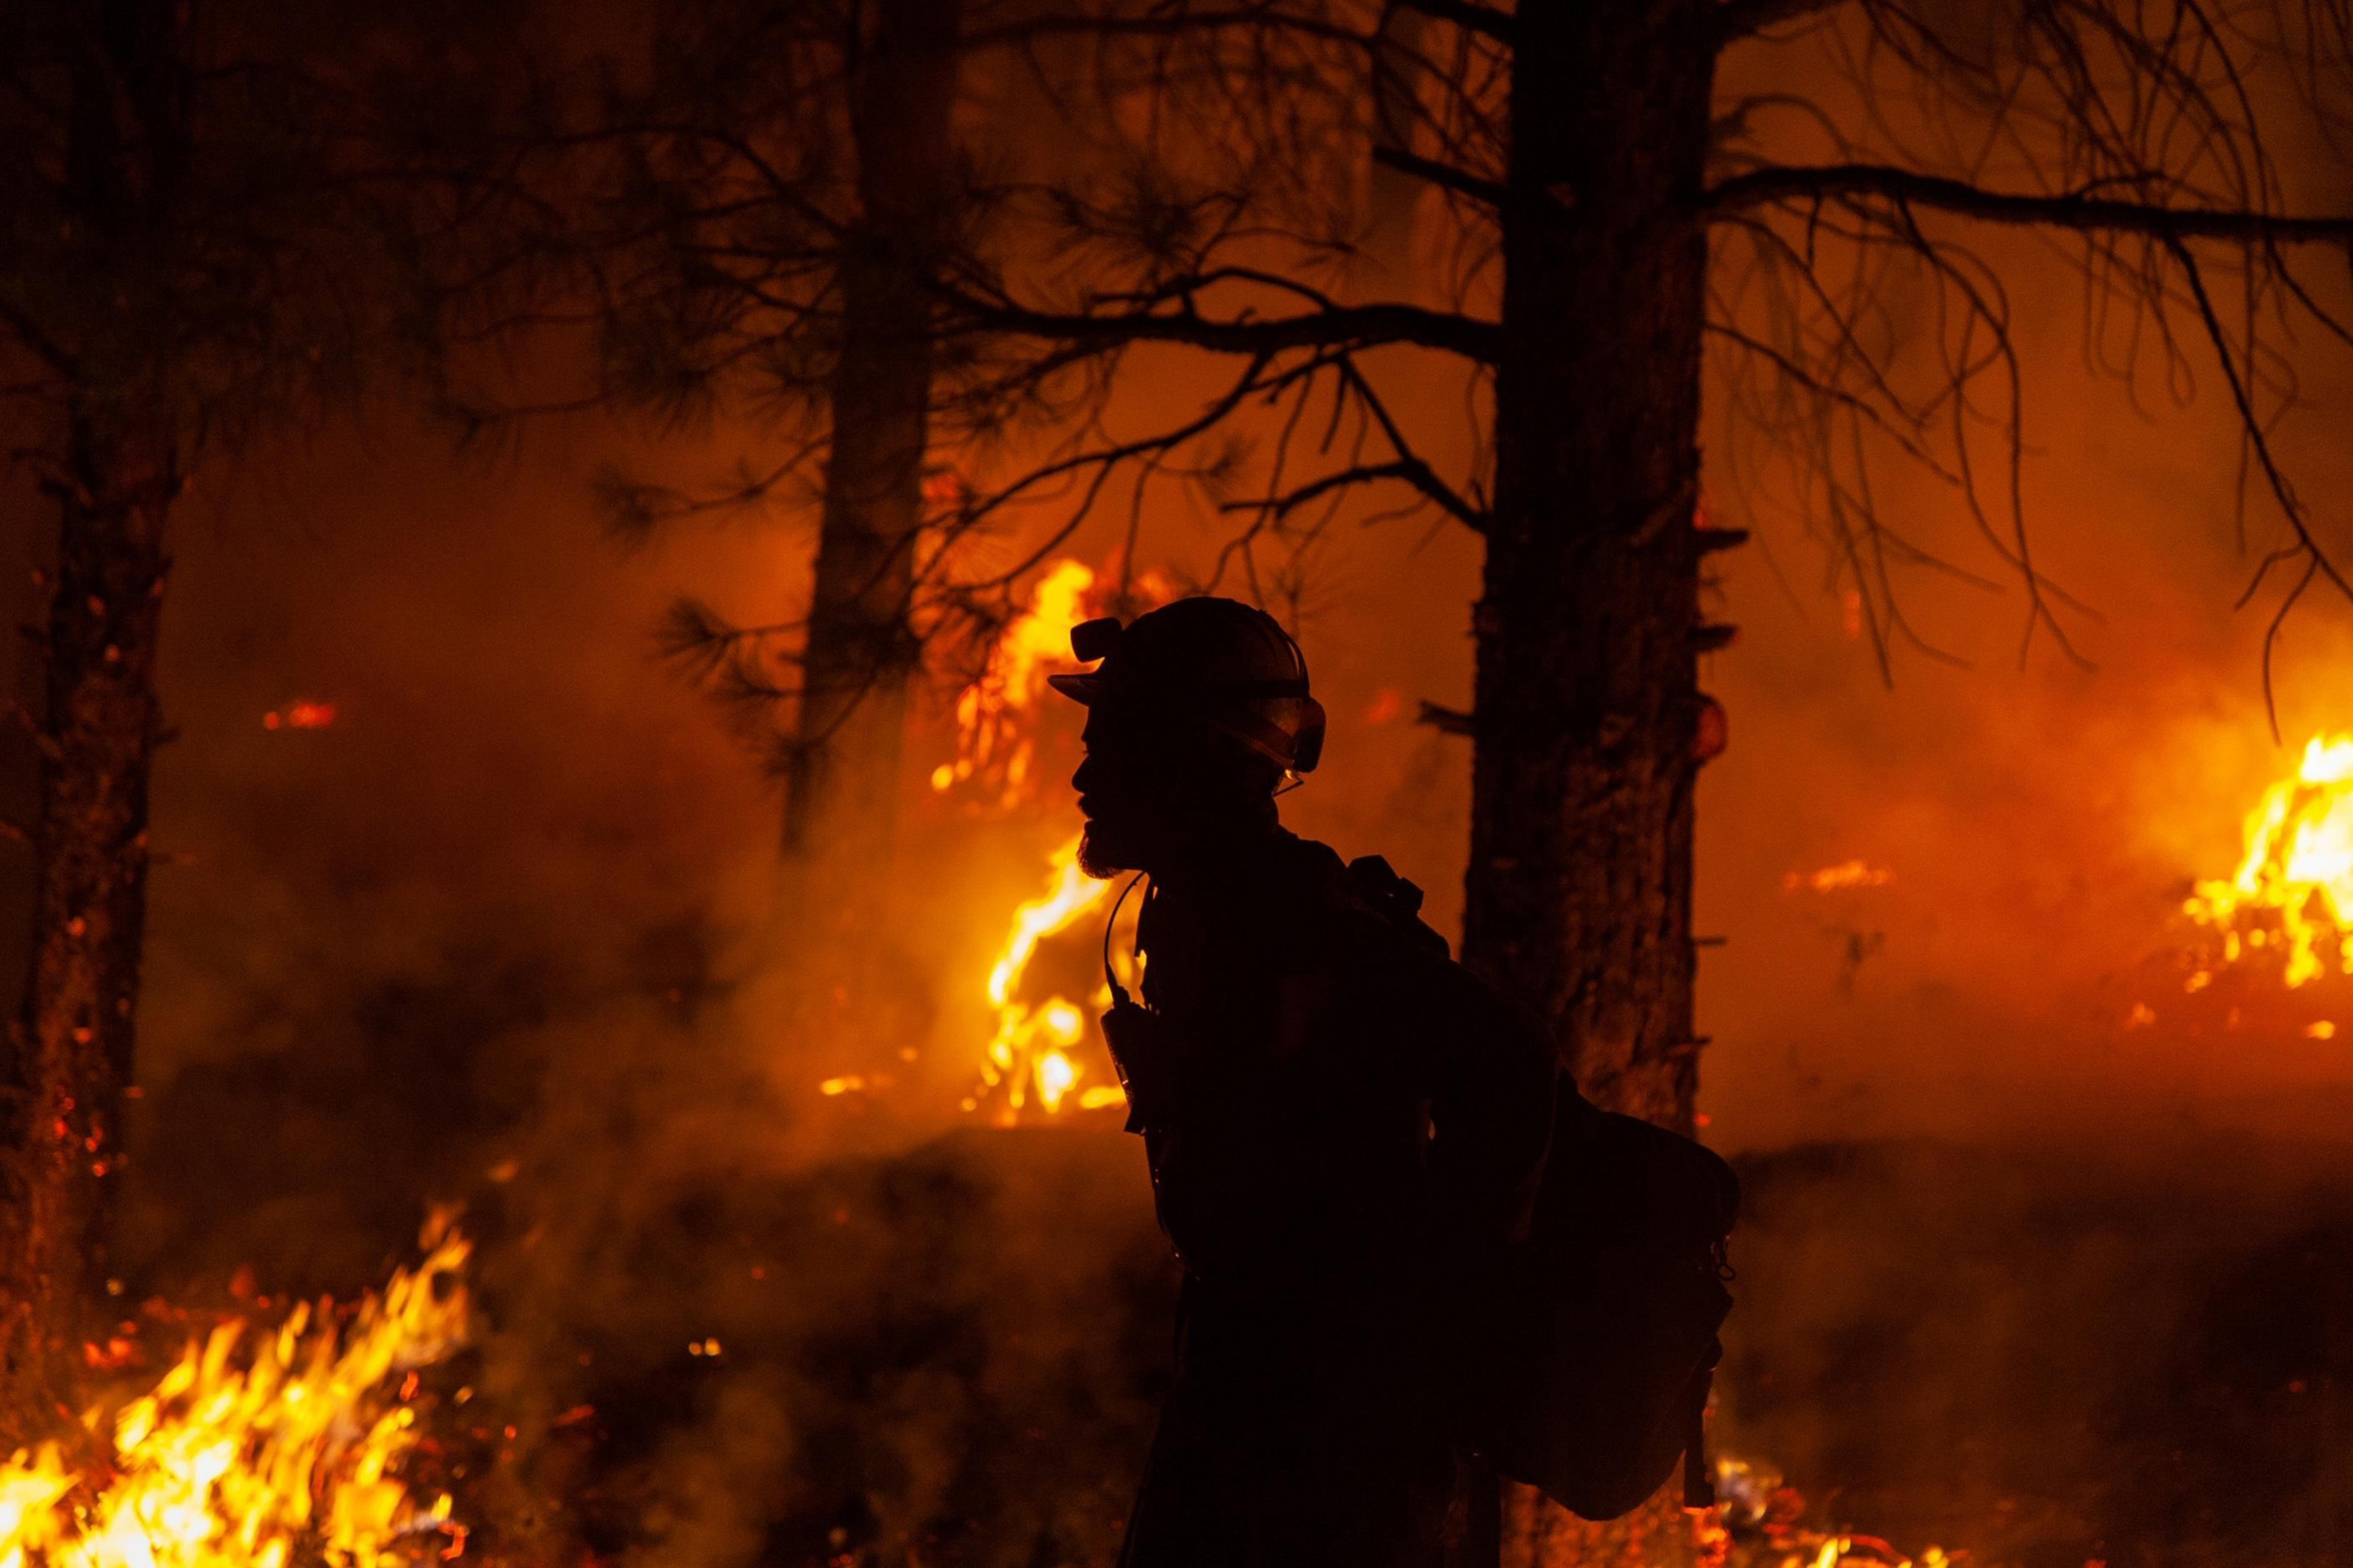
<point>501,934</point>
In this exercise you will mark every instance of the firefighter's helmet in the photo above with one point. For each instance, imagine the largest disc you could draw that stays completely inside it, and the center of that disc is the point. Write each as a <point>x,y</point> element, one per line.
<point>1223,662</point>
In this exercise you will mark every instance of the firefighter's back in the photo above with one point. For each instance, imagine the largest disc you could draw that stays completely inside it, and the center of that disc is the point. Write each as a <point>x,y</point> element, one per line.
<point>1343,1108</point>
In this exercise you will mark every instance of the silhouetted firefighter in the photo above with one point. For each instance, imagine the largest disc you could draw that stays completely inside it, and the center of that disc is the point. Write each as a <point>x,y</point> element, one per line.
<point>1348,1135</point>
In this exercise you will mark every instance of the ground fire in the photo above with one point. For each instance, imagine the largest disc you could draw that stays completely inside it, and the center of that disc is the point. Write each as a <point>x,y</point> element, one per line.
<point>1035,1062</point>
<point>2287,907</point>
<point>259,1447</point>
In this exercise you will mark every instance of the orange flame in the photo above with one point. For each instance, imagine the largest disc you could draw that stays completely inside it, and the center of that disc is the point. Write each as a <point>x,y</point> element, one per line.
<point>1838,879</point>
<point>993,743</point>
<point>997,741</point>
<point>2294,881</point>
<point>1033,1055</point>
<point>292,1454</point>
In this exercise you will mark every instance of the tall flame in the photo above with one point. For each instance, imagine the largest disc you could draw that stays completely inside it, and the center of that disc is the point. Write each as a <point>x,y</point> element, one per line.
<point>997,714</point>
<point>2294,883</point>
<point>994,747</point>
<point>1030,1056</point>
<point>293,1453</point>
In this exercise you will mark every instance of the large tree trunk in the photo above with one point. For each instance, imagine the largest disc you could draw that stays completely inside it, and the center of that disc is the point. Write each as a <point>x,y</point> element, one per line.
<point>843,781</point>
<point>71,1054</point>
<point>1588,630</point>
<point>113,477</point>
<point>1589,625</point>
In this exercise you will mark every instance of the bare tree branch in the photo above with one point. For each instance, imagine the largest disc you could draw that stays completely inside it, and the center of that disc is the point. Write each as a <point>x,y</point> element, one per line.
<point>1446,176</point>
<point>1411,471</point>
<point>1738,19</point>
<point>2073,210</point>
<point>1348,326</point>
<point>1484,20</point>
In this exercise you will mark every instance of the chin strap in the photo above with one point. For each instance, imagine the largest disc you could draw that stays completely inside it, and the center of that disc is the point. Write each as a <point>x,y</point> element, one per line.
<point>1131,1031</point>
<point>1119,997</point>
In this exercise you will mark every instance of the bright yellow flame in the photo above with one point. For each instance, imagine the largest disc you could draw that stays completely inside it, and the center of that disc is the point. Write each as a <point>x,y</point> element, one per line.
<point>2295,877</point>
<point>1029,1054</point>
<point>993,742</point>
<point>1072,895</point>
<point>1055,1076</point>
<point>849,1083</point>
<point>222,1466</point>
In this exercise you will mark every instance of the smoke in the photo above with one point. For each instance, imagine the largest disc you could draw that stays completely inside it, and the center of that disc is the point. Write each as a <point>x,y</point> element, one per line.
<point>500,932</point>
<point>2040,815</point>
<point>2057,1353</point>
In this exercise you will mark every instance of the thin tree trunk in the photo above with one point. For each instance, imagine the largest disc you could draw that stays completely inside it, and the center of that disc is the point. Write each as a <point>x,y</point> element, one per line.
<point>70,1053</point>
<point>843,781</point>
<point>1393,195</point>
<point>1588,630</point>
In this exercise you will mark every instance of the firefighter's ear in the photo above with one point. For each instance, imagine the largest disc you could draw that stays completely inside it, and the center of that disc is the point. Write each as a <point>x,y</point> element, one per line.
<point>1092,640</point>
<point>1308,750</point>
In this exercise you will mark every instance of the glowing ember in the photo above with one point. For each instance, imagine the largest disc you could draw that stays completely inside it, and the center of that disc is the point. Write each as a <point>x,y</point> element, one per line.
<point>1032,1059</point>
<point>1760,1522</point>
<point>2294,881</point>
<point>290,1456</point>
<point>299,716</point>
<point>1845,875</point>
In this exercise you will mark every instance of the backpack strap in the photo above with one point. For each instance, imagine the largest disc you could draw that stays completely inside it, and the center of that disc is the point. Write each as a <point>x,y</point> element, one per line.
<point>1699,1476</point>
<point>1375,883</point>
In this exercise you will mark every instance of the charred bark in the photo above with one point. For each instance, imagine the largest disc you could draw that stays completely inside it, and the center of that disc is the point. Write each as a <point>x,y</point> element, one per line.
<point>72,1052</point>
<point>860,655</point>
<point>113,476</point>
<point>1588,705</point>
<point>1587,738</point>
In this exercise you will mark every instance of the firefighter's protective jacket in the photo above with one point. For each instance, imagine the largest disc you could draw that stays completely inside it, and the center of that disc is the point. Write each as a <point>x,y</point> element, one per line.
<point>1340,1121</point>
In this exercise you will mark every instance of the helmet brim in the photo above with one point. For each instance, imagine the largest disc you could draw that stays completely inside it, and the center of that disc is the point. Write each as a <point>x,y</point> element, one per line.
<point>1082,689</point>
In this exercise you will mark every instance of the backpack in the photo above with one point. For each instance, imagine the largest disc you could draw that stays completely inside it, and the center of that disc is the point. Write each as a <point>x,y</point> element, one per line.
<point>1596,1337</point>
<point>1600,1328</point>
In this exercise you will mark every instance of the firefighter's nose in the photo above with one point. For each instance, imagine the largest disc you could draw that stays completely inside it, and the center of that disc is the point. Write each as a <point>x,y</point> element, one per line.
<point>1086,773</point>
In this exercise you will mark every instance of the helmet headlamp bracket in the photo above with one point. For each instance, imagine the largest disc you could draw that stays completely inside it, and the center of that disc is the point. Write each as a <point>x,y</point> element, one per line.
<point>1092,640</point>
